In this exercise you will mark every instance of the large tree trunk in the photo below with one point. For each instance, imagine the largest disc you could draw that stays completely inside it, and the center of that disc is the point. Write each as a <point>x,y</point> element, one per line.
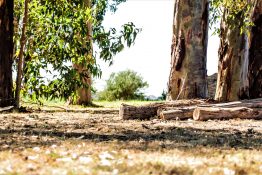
<point>188,64</point>
<point>232,81</point>
<point>255,57</point>
<point>84,94</point>
<point>6,52</point>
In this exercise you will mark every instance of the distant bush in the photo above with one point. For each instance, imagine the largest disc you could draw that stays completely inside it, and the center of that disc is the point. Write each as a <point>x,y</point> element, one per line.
<point>125,85</point>
<point>163,95</point>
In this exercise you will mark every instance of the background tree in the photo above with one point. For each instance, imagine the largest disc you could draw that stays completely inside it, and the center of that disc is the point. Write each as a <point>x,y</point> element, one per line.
<point>232,82</point>
<point>125,85</point>
<point>21,61</point>
<point>58,38</point>
<point>239,53</point>
<point>163,95</point>
<point>84,93</point>
<point>6,52</point>
<point>189,46</point>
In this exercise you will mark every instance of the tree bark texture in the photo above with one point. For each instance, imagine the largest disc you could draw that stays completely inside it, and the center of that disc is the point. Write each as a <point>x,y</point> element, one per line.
<point>232,81</point>
<point>84,94</point>
<point>255,53</point>
<point>6,52</point>
<point>240,62</point>
<point>188,51</point>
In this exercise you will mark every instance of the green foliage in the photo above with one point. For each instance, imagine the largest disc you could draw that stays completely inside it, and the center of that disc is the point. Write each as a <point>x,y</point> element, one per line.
<point>58,38</point>
<point>163,95</point>
<point>238,14</point>
<point>125,85</point>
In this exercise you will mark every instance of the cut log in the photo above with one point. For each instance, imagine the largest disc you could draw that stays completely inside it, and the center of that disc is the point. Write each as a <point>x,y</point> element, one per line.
<point>128,112</point>
<point>174,113</point>
<point>180,109</point>
<point>177,114</point>
<point>211,113</point>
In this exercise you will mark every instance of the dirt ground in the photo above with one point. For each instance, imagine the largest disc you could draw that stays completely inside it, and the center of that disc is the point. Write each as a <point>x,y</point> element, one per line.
<point>82,143</point>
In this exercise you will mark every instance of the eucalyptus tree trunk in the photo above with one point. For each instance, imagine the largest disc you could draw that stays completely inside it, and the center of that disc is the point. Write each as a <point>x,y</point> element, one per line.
<point>21,57</point>
<point>232,80</point>
<point>255,53</point>
<point>188,75</point>
<point>240,59</point>
<point>6,52</point>
<point>84,94</point>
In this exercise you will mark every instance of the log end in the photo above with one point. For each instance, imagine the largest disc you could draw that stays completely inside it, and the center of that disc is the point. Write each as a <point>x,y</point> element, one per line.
<point>196,114</point>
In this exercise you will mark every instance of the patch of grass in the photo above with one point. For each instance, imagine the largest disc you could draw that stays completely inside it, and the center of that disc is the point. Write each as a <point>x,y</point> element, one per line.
<point>117,104</point>
<point>27,102</point>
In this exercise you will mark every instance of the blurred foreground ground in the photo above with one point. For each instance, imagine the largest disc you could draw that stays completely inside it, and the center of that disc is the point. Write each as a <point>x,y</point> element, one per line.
<point>80,143</point>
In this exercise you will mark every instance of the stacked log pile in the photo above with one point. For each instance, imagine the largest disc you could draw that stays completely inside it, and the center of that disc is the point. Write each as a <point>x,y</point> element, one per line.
<point>199,110</point>
<point>128,112</point>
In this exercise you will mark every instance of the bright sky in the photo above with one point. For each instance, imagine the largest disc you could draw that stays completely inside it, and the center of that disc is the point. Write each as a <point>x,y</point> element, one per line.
<point>150,56</point>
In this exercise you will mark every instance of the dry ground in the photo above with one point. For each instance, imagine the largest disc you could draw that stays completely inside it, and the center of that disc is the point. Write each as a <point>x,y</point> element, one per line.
<point>81,143</point>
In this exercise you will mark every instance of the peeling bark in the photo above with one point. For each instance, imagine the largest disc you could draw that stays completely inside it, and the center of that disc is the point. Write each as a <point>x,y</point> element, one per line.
<point>188,58</point>
<point>240,60</point>
<point>6,51</point>
<point>232,81</point>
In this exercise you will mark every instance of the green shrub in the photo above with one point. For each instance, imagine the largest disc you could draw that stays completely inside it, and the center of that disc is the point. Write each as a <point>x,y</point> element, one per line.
<point>125,85</point>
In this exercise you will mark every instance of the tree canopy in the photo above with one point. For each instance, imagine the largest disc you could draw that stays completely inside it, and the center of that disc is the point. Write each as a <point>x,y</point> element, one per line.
<point>57,38</point>
<point>238,14</point>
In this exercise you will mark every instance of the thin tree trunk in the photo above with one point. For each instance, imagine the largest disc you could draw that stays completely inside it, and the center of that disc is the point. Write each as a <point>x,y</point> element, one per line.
<point>188,64</point>
<point>255,57</point>
<point>6,52</point>
<point>84,94</point>
<point>21,57</point>
<point>232,81</point>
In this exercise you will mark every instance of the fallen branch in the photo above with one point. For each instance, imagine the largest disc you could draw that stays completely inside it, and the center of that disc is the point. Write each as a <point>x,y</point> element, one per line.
<point>8,108</point>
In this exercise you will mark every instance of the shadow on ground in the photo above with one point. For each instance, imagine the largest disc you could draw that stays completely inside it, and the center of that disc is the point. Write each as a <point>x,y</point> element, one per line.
<point>164,138</point>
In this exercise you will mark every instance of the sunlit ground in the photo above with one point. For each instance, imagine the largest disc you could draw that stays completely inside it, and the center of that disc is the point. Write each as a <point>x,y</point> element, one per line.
<point>81,143</point>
